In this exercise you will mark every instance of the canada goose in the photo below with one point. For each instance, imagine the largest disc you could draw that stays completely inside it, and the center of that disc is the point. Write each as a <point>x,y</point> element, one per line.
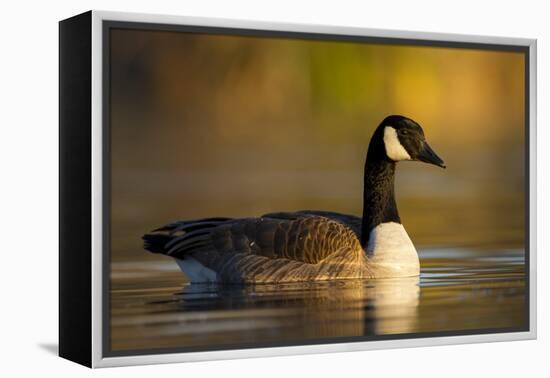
<point>309,245</point>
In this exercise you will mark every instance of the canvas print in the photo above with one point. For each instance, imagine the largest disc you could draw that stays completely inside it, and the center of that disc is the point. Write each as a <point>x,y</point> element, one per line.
<point>276,189</point>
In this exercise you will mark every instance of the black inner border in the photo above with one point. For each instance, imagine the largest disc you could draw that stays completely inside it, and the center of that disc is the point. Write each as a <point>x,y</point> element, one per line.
<point>107,26</point>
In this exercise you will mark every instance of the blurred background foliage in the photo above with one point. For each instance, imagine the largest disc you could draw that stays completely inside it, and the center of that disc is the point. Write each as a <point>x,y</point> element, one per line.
<point>210,125</point>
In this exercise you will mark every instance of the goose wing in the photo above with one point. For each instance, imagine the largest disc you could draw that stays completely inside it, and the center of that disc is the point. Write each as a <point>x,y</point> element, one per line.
<point>307,239</point>
<point>302,237</point>
<point>272,248</point>
<point>351,221</point>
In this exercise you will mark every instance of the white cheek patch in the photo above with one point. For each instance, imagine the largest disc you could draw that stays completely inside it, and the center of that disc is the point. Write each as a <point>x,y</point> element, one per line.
<point>394,149</point>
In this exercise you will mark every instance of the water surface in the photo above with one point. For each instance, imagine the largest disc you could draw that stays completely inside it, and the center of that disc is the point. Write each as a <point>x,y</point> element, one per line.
<point>152,306</point>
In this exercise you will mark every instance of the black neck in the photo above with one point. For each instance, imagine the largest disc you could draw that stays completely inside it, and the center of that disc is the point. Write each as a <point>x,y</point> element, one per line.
<point>378,194</point>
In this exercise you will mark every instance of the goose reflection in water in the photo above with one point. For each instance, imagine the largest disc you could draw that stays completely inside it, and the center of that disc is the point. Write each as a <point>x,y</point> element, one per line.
<point>331,308</point>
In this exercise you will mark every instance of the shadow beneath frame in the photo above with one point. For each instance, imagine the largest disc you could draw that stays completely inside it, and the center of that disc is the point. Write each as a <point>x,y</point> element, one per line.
<point>50,348</point>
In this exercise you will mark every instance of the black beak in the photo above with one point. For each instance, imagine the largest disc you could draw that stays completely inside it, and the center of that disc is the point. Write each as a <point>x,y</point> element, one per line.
<point>427,155</point>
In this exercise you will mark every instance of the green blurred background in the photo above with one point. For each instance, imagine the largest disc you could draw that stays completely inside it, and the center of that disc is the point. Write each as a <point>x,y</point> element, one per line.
<point>209,125</point>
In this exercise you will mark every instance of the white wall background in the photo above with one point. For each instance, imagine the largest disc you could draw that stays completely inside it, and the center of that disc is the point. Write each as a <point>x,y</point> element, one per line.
<point>28,156</point>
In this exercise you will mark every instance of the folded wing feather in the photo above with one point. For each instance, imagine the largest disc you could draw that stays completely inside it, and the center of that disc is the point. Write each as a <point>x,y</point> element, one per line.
<point>274,247</point>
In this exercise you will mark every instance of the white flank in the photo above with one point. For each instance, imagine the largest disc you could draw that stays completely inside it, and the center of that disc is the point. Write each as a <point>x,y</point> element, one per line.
<point>391,249</point>
<point>195,271</point>
<point>394,149</point>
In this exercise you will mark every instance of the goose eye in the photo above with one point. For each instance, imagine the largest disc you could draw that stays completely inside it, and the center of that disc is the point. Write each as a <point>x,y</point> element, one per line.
<point>403,132</point>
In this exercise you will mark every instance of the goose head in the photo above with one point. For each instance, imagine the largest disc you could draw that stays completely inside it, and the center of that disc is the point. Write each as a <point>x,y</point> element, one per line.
<point>403,139</point>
